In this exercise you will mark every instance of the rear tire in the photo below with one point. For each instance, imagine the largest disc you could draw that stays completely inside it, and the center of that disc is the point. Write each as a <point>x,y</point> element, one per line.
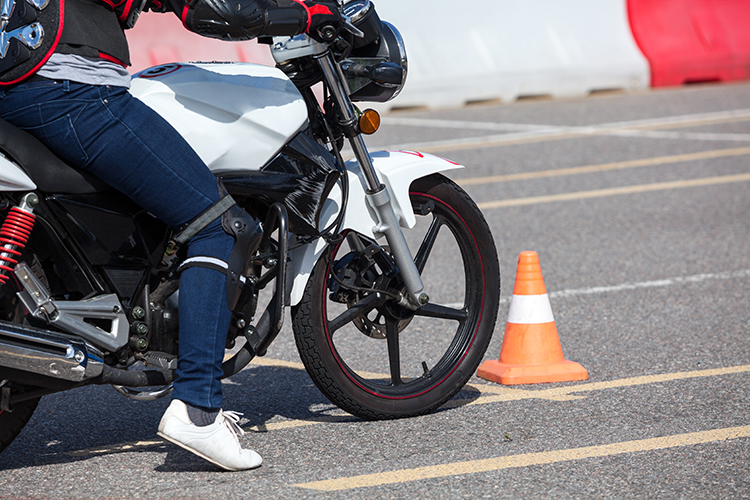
<point>11,309</point>
<point>390,362</point>
<point>11,423</point>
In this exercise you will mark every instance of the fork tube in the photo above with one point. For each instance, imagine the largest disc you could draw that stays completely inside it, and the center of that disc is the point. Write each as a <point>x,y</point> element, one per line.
<point>376,193</point>
<point>349,118</point>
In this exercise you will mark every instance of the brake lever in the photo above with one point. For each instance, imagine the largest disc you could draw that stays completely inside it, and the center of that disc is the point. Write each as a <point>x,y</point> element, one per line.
<point>328,33</point>
<point>348,26</point>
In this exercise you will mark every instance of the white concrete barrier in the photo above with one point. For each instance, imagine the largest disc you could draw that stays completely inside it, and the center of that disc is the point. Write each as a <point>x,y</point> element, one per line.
<point>505,49</point>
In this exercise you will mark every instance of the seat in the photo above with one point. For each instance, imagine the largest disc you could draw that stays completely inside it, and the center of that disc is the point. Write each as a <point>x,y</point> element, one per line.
<point>49,172</point>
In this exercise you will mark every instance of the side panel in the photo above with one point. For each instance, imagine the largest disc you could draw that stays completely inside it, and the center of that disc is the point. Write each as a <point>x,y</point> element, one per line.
<point>397,170</point>
<point>236,116</point>
<point>13,178</point>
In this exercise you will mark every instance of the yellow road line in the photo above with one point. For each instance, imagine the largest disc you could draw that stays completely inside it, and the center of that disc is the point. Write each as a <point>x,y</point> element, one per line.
<point>603,167</point>
<point>299,366</point>
<point>599,193</point>
<point>497,393</point>
<point>502,393</point>
<point>102,450</point>
<point>528,459</point>
<point>263,361</point>
<point>678,123</point>
<point>489,142</point>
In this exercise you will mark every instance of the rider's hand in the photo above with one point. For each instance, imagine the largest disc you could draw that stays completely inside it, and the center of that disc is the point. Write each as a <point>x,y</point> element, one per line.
<point>324,20</point>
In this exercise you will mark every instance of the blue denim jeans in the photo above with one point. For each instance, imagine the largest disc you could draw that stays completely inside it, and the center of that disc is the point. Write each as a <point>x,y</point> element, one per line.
<point>108,132</point>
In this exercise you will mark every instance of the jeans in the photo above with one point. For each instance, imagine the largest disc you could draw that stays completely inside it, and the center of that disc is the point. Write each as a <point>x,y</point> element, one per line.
<point>113,135</point>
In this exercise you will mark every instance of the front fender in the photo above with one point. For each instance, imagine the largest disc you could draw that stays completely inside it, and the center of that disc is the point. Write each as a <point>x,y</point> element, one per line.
<point>397,170</point>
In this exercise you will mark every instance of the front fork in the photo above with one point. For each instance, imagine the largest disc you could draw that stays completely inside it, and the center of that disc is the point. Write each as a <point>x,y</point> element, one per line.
<point>376,192</point>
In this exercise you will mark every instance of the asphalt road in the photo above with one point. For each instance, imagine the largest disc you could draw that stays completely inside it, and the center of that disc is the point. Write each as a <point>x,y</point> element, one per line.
<point>639,208</point>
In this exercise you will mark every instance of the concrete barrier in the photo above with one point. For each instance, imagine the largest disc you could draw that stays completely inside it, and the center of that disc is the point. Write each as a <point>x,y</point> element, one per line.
<point>506,49</point>
<point>693,40</point>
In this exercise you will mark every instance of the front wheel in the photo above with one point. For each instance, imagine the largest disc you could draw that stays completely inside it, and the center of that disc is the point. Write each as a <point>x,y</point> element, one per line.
<point>378,360</point>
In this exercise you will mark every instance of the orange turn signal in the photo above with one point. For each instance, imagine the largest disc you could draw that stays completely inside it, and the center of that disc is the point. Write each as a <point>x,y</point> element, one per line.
<point>369,122</point>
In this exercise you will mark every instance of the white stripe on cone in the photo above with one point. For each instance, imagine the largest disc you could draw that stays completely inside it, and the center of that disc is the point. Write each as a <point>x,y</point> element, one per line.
<point>530,310</point>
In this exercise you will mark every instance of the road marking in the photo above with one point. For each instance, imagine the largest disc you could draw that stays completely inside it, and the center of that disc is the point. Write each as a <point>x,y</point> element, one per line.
<point>497,393</point>
<point>680,136</point>
<point>115,448</point>
<point>528,459</point>
<point>679,280</point>
<point>527,133</point>
<point>464,125</point>
<point>279,363</point>
<point>696,278</point>
<point>689,120</point>
<point>262,361</point>
<point>565,393</point>
<point>604,167</point>
<point>599,193</point>
<point>488,394</point>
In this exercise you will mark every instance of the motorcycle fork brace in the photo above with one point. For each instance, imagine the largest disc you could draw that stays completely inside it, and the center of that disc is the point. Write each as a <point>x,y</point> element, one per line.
<point>376,192</point>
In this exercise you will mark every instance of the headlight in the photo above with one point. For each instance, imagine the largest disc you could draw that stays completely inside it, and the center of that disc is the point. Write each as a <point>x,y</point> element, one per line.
<point>388,47</point>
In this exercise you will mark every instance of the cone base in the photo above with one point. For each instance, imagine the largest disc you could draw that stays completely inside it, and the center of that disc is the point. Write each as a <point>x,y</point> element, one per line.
<point>502,373</point>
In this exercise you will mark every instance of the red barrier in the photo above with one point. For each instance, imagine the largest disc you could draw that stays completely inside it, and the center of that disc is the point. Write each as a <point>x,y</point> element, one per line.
<point>693,40</point>
<point>161,38</point>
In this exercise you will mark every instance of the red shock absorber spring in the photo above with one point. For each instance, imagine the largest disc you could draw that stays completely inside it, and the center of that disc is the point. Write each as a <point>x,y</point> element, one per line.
<point>13,237</point>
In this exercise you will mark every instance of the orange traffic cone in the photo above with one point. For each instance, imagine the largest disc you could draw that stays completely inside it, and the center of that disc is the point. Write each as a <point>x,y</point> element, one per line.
<point>531,351</point>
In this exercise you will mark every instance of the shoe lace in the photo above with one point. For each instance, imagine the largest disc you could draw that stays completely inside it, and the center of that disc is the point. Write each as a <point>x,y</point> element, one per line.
<point>232,421</point>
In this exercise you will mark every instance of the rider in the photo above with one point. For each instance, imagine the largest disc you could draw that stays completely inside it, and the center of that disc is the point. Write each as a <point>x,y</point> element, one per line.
<point>78,105</point>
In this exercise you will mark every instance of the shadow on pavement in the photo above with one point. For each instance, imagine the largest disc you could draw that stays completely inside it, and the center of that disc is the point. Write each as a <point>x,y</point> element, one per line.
<point>95,421</point>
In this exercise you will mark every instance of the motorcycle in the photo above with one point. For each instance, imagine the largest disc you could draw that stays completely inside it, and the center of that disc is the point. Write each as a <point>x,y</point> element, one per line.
<point>90,281</point>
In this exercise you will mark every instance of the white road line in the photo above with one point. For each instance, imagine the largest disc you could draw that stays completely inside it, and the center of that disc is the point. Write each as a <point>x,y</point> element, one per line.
<point>464,125</point>
<point>668,121</point>
<point>522,133</point>
<point>679,280</point>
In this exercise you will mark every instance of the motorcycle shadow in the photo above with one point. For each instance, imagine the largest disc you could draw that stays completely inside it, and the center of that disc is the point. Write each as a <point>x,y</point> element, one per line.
<point>95,421</point>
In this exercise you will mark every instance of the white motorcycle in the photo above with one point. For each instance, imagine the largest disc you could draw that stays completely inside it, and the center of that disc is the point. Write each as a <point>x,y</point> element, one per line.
<point>389,267</point>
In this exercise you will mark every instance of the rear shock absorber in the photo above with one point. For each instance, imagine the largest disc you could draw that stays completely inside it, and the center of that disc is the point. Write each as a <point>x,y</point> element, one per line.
<point>15,232</point>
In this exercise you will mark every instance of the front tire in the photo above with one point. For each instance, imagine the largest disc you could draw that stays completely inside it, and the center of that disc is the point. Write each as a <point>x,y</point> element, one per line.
<point>386,361</point>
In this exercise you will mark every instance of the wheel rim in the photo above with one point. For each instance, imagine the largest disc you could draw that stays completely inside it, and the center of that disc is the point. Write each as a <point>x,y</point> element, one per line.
<point>434,342</point>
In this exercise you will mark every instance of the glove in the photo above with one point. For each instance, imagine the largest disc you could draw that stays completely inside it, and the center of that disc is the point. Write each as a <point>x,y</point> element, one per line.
<point>324,20</point>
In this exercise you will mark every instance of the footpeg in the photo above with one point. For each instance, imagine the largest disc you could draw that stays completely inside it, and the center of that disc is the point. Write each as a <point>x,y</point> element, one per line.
<point>71,315</point>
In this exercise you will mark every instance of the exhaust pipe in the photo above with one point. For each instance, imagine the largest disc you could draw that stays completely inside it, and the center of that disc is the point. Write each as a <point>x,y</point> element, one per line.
<point>48,353</point>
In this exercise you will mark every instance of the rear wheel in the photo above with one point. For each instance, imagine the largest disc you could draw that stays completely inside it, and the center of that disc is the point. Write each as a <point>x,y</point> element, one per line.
<point>379,360</point>
<point>11,422</point>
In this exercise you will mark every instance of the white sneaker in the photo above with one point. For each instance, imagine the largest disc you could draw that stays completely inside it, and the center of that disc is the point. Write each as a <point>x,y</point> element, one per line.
<point>218,443</point>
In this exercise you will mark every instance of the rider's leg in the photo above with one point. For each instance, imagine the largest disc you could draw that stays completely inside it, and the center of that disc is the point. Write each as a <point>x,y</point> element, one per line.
<point>116,137</point>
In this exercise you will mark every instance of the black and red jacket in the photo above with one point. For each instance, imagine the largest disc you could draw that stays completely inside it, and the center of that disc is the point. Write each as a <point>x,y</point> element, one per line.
<point>96,28</point>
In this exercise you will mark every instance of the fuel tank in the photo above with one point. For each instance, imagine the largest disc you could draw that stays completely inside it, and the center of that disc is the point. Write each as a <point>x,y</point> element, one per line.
<point>236,116</point>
